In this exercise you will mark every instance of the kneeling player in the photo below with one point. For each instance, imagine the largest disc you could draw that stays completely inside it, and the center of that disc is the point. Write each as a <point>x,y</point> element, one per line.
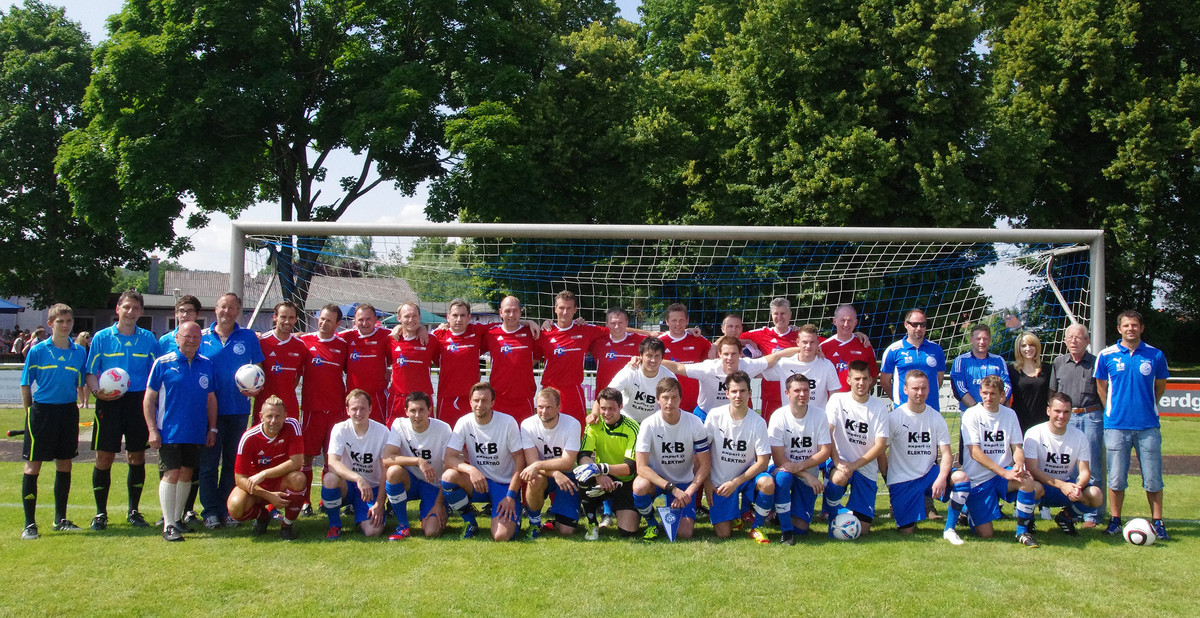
<point>355,456</point>
<point>607,464</point>
<point>858,427</point>
<point>551,444</point>
<point>482,461</point>
<point>996,463</point>
<point>920,463</point>
<point>414,456</point>
<point>741,454</point>
<point>673,460</point>
<point>799,439</point>
<point>267,471</point>
<point>1059,458</point>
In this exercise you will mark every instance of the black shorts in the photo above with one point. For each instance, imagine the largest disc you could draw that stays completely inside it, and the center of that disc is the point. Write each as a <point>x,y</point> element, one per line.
<point>622,497</point>
<point>176,456</point>
<point>118,419</point>
<point>51,432</point>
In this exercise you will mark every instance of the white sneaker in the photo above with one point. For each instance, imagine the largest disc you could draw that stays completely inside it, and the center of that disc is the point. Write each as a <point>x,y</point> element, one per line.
<point>606,521</point>
<point>593,533</point>
<point>951,535</point>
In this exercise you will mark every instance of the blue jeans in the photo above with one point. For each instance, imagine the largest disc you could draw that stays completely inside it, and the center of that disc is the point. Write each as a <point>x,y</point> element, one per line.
<point>214,490</point>
<point>1092,426</point>
<point>1148,443</point>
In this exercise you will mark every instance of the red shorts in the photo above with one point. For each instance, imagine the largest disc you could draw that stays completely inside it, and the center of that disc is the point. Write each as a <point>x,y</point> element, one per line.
<point>520,408</point>
<point>450,409</point>
<point>316,427</point>
<point>572,403</point>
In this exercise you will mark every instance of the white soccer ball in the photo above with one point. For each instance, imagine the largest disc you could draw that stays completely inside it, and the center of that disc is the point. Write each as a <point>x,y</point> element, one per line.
<point>114,381</point>
<point>846,527</point>
<point>250,377</point>
<point>1139,532</point>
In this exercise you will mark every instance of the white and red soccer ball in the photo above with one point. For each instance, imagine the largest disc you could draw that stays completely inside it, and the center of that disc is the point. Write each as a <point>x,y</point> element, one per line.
<point>113,382</point>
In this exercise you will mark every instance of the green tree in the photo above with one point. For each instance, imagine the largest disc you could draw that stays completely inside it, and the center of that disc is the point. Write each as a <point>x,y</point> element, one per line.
<point>1097,125</point>
<point>51,255</point>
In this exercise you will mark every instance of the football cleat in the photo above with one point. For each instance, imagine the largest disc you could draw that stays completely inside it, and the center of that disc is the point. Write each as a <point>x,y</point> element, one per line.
<point>759,537</point>
<point>401,533</point>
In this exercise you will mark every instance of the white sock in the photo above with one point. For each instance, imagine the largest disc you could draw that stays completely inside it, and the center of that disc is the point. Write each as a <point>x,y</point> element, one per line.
<point>166,501</point>
<point>181,493</point>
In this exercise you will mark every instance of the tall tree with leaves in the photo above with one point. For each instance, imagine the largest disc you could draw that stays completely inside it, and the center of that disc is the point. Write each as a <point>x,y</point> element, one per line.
<point>50,254</point>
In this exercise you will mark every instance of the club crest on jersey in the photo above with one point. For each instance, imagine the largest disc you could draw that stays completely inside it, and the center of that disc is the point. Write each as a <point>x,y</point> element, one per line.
<point>931,361</point>
<point>559,351</point>
<point>277,368</point>
<point>452,347</point>
<point>203,381</point>
<point>1145,369</point>
<point>354,355</point>
<point>239,348</point>
<point>317,360</point>
<point>506,349</point>
<point>401,361</point>
<point>610,355</point>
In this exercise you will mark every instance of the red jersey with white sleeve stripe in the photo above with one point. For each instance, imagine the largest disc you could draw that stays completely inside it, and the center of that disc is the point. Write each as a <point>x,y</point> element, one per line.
<point>687,349</point>
<point>513,355</point>
<point>458,370</point>
<point>769,340</point>
<point>611,356</point>
<point>367,364</point>
<point>284,364</point>
<point>256,452</point>
<point>411,363</point>
<point>565,350</point>
<point>842,353</point>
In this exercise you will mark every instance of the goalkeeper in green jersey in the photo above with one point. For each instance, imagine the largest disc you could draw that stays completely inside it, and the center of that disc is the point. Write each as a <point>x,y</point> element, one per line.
<point>606,465</point>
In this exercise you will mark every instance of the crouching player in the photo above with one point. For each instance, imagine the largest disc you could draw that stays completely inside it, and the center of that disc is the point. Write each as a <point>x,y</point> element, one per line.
<point>996,465</point>
<point>920,463</point>
<point>858,427</point>
<point>356,448</point>
<point>414,458</point>
<point>607,464</point>
<point>673,460</point>
<point>741,454</point>
<point>1059,458</point>
<point>482,461</point>
<point>799,439</point>
<point>551,444</point>
<point>266,471</point>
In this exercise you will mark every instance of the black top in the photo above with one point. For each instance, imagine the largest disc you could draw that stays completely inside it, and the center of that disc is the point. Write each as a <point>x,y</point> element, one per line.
<point>1029,395</point>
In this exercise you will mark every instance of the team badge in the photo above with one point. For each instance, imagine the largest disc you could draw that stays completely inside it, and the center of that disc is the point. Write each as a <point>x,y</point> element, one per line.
<point>204,381</point>
<point>239,348</point>
<point>1145,368</point>
<point>931,361</point>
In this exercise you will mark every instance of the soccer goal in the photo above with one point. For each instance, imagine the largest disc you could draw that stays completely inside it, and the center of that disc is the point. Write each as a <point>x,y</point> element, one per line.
<point>1016,280</point>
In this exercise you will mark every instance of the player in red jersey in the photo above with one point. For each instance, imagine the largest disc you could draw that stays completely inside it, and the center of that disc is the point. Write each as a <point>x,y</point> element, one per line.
<point>323,392</point>
<point>267,470</point>
<point>413,355</point>
<point>614,351</point>
<point>779,335</point>
<point>847,346</point>
<point>514,350</point>
<point>684,347</point>
<point>370,356</point>
<point>564,345</point>
<point>461,343</point>
<point>285,360</point>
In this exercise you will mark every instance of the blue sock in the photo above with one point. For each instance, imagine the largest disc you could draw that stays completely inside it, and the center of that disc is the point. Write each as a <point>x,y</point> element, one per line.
<point>332,500</point>
<point>763,502</point>
<point>833,499</point>
<point>535,517</point>
<point>456,499</point>
<point>958,500</point>
<point>645,506</point>
<point>398,497</point>
<point>783,499</point>
<point>608,508</point>
<point>1024,511</point>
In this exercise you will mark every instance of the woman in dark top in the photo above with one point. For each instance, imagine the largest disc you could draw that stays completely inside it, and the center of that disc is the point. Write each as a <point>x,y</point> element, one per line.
<point>1030,377</point>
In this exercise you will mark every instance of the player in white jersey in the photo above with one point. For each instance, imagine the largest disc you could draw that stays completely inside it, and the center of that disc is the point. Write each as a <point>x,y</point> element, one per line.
<point>551,443</point>
<point>996,463</point>
<point>740,455</point>
<point>799,437</point>
<point>919,462</point>
<point>859,429</point>
<point>1059,458</point>
<point>414,455</point>
<point>711,374</point>
<point>823,378</point>
<point>355,456</point>
<point>482,461</point>
<point>637,384</point>
<point>672,459</point>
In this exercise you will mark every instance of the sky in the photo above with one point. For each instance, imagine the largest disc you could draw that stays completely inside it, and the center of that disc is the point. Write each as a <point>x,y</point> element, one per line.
<point>383,204</point>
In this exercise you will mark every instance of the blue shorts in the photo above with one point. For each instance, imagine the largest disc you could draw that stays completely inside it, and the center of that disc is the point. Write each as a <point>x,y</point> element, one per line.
<point>700,414</point>
<point>563,504</point>
<point>862,495</point>
<point>496,493</point>
<point>983,502</point>
<point>908,498</point>
<point>428,494</point>
<point>688,511</point>
<point>1054,496</point>
<point>731,507</point>
<point>803,498</point>
<point>361,506</point>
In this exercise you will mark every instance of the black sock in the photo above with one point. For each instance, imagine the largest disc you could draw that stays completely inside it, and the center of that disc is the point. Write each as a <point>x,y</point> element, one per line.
<point>191,499</point>
<point>62,489</point>
<point>29,496</point>
<point>101,479</point>
<point>137,478</point>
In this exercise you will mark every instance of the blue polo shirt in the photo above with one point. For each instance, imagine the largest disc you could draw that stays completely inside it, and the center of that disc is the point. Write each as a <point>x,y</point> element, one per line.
<point>1131,375</point>
<point>134,353</point>
<point>241,348</point>
<point>183,387</point>
<point>902,356</point>
<point>167,344</point>
<point>56,372</point>
<point>967,372</point>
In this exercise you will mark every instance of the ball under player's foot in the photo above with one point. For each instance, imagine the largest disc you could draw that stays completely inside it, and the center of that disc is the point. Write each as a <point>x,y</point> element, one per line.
<point>1027,540</point>
<point>592,534</point>
<point>334,533</point>
<point>950,534</point>
<point>470,530</point>
<point>66,525</point>
<point>1065,523</point>
<point>30,533</point>
<point>136,520</point>
<point>100,522</point>
<point>401,533</point>
<point>759,537</point>
<point>172,534</point>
